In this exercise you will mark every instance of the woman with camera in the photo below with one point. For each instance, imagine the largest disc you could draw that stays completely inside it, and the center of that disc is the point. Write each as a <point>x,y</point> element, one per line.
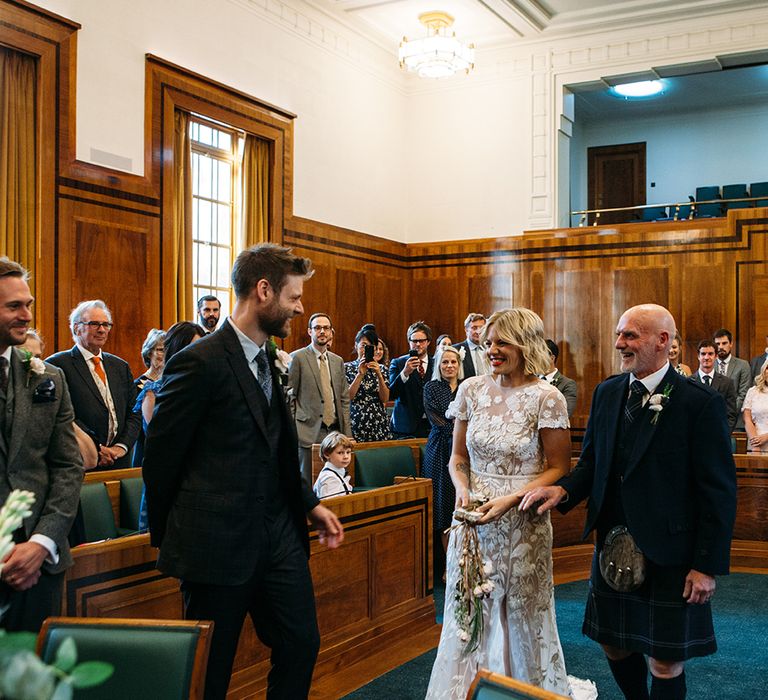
<point>368,390</point>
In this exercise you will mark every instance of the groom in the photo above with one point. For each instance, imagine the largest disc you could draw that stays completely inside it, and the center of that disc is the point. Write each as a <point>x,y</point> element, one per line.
<point>226,502</point>
<point>667,475</point>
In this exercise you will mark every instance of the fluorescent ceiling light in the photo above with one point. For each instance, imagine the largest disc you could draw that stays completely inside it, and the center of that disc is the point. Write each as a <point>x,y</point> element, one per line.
<point>644,88</point>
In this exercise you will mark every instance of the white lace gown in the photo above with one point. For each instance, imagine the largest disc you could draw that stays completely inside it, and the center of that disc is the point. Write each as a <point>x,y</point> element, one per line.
<point>520,630</point>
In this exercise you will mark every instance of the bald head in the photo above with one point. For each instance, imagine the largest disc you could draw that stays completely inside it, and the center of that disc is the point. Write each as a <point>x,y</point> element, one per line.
<point>643,336</point>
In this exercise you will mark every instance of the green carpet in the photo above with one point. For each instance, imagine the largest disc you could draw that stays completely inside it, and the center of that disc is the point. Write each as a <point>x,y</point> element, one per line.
<point>736,672</point>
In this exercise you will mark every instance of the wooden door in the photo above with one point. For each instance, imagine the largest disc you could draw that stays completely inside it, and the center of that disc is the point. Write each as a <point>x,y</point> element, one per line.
<point>616,176</point>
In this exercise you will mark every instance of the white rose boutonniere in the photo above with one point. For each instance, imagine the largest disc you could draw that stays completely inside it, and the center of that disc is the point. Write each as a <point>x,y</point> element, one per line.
<point>33,365</point>
<point>657,402</point>
<point>282,361</point>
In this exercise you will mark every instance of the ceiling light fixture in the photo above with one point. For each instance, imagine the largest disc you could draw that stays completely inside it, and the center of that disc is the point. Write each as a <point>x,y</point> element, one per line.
<point>439,54</point>
<point>644,88</point>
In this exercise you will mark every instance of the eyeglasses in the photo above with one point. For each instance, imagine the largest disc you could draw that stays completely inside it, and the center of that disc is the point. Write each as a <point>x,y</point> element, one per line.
<point>95,325</point>
<point>317,329</point>
<point>419,340</point>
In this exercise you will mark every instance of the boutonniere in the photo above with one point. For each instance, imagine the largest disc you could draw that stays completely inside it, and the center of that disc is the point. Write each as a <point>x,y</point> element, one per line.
<point>32,365</point>
<point>280,359</point>
<point>657,402</point>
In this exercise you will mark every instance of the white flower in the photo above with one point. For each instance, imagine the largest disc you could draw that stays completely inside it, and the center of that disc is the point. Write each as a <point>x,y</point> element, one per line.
<point>488,567</point>
<point>462,353</point>
<point>282,361</point>
<point>655,407</point>
<point>478,592</point>
<point>487,586</point>
<point>463,636</point>
<point>36,366</point>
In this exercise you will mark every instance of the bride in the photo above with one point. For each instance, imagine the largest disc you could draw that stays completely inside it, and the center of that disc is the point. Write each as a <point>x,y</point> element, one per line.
<point>507,425</point>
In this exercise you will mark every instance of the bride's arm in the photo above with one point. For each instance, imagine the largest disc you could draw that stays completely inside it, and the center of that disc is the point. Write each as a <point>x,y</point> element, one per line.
<point>458,464</point>
<point>557,451</point>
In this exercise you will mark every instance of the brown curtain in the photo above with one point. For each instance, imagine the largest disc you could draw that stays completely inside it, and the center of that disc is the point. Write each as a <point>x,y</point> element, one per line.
<point>182,218</point>
<point>256,188</point>
<point>18,158</point>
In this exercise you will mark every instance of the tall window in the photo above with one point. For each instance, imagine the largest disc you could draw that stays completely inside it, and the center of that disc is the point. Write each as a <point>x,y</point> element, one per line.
<point>215,207</point>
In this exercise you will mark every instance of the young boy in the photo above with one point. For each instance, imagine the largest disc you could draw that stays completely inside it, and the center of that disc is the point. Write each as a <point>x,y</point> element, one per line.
<point>333,480</point>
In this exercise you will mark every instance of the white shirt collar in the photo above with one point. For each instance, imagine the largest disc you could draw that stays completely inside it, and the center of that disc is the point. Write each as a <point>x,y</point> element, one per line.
<point>340,471</point>
<point>549,377</point>
<point>250,348</point>
<point>317,352</point>
<point>87,354</point>
<point>652,380</point>
<point>7,354</point>
<point>703,374</point>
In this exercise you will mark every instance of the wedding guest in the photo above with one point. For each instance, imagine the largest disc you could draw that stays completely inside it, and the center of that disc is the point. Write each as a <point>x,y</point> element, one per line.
<point>333,479</point>
<point>676,356</point>
<point>382,354</point>
<point>756,412</point>
<point>153,356</point>
<point>368,390</point>
<point>442,340</point>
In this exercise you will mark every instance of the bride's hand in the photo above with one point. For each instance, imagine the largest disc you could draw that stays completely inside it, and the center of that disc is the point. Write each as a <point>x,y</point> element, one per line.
<point>496,507</point>
<point>462,498</point>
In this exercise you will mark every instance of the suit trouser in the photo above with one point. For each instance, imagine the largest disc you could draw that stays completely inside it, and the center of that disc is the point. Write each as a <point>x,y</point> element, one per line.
<point>29,608</point>
<point>280,600</point>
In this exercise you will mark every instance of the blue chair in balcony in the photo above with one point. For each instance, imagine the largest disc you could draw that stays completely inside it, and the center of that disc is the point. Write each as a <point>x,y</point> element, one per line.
<point>735,192</point>
<point>759,191</point>
<point>703,194</point>
<point>654,214</point>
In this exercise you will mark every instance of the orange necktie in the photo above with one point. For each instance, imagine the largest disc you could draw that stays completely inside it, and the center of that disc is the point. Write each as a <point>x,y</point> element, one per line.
<point>99,370</point>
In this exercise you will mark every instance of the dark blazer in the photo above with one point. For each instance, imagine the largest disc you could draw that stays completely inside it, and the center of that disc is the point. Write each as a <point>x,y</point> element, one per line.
<point>91,413</point>
<point>408,396</point>
<point>679,487</point>
<point>469,365</point>
<point>39,453</point>
<point>725,387</point>
<point>567,387</point>
<point>756,365</point>
<point>206,465</point>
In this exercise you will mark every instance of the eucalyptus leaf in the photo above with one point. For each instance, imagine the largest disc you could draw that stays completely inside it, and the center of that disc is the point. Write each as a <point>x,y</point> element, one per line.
<point>66,655</point>
<point>90,673</point>
<point>17,641</point>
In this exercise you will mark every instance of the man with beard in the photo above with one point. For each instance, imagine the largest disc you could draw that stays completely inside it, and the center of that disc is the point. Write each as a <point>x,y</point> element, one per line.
<point>320,390</point>
<point>736,369</point>
<point>209,310</point>
<point>657,469</point>
<point>226,503</point>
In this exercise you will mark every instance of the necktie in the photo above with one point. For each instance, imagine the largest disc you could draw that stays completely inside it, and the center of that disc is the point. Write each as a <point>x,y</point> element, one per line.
<point>634,402</point>
<point>265,376</point>
<point>4,374</point>
<point>99,370</point>
<point>329,412</point>
<point>422,371</point>
<point>707,379</point>
<point>721,367</point>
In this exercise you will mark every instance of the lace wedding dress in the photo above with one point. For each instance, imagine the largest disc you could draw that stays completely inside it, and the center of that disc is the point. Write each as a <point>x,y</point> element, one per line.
<point>520,630</point>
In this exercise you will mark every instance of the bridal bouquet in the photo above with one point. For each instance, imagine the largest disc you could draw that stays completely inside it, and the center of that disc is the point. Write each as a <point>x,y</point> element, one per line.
<point>473,586</point>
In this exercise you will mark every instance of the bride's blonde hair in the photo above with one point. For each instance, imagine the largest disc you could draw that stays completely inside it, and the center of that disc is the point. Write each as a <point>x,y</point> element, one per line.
<point>760,378</point>
<point>525,330</point>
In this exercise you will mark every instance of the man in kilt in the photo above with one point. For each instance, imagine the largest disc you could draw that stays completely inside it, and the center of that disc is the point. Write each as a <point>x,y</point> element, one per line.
<point>657,460</point>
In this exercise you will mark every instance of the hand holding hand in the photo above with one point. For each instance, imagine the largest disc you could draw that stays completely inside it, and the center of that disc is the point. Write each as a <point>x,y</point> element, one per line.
<point>699,587</point>
<point>330,531</point>
<point>21,569</point>
<point>550,495</point>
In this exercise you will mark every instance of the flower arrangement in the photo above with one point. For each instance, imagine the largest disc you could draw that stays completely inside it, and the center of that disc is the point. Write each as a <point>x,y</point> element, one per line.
<point>657,402</point>
<point>33,365</point>
<point>23,676</point>
<point>473,586</point>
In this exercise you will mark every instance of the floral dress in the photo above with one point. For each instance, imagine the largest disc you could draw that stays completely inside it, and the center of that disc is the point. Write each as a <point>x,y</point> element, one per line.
<point>520,630</point>
<point>757,402</point>
<point>367,414</point>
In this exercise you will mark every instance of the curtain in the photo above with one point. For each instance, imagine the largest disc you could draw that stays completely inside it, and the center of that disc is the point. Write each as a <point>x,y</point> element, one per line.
<point>182,219</point>
<point>256,186</point>
<point>18,158</point>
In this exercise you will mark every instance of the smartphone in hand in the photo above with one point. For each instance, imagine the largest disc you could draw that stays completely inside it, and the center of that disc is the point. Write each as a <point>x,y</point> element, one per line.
<point>369,350</point>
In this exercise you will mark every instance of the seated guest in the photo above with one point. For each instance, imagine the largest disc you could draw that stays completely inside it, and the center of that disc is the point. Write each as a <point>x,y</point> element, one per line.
<point>153,354</point>
<point>756,412</point>
<point>675,356</point>
<point>407,376</point>
<point>567,387</point>
<point>101,385</point>
<point>179,335</point>
<point>333,479</point>
<point>368,390</point>
<point>88,451</point>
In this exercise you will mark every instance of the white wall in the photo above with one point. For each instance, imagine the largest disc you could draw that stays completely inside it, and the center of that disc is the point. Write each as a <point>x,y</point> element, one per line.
<point>683,151</point>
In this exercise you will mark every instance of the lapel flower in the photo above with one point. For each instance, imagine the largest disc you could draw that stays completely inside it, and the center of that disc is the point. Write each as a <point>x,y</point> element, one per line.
<point>657,402</point>
<point>280,359</point>
<point>32,365</point>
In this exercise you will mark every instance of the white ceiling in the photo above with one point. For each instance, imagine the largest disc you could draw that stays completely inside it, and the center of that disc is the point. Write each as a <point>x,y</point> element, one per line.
<point>494,23</point>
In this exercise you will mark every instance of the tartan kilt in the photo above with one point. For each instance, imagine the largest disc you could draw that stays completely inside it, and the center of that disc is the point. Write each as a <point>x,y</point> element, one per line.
<point>654,619</point>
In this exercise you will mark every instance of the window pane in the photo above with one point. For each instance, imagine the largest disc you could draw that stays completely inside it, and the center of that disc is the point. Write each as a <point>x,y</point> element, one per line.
<point>222,275</point>
<point>204,271</point>
<point>203,232</point>
<point>225,176</point>
<point>204,177</point>
<point>206,135</point>
<point>195,174</point>
<point>225,141</point>
<point>223,213</point>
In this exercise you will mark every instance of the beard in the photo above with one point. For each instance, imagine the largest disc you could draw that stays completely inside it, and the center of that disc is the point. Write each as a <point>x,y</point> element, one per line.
<point>275,320</point>
<point>209,323</point>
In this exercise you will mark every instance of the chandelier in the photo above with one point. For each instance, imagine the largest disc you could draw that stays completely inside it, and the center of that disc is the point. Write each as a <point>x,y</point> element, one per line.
<point>439,54</point>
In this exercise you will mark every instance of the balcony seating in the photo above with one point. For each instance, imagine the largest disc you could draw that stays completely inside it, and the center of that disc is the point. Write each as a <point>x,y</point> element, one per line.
<point>708,210</point>
<point>735,192</point>
<point>759,190</point>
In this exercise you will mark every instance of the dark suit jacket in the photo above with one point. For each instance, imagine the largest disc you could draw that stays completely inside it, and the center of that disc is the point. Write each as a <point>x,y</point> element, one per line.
<point>469,365</point>
<point>679,487</point>
<point>756,365</point>
<point>567,387</point>
<point>39,453</point>
<point>91,413</point>
<point>206,465</point>
<point>408,396</point>
<point>725,387</point>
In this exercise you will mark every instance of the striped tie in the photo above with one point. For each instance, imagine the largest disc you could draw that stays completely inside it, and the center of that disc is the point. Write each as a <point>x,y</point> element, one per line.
<point>634,402</point>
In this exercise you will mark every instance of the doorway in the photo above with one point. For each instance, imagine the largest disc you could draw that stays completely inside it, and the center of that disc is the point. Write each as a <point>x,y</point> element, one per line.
<point>616,178</point>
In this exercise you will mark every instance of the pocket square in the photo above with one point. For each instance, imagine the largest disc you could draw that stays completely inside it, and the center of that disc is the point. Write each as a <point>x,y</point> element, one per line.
<point>45,392</point>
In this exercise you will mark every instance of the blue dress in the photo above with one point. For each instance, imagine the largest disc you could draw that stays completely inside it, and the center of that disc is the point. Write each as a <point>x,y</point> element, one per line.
<point>154,387</point>
<point>437,397</point>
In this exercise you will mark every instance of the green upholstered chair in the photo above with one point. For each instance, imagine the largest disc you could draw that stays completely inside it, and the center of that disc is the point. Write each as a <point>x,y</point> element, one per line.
<point>379,466</point>
<point>98,516</point>
<point>130,502</point>
<point>153,659</point>
<point>493,686</point>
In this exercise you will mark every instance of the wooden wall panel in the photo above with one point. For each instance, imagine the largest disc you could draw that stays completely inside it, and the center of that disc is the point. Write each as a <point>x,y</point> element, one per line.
<point>645,285</point>
<point>703,304</point>
<point>435,301</point>
<point>386,310</point>
<point>352,297</point>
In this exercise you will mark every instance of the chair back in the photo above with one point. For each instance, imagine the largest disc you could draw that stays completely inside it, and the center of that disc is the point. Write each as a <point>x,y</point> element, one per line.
<point>379,466</point>
<point>130,502</point>
<point>153,659</point>
<point>98,516</point>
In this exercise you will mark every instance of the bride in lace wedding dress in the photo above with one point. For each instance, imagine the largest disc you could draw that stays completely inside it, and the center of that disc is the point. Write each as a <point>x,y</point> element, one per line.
<point>506,425</point>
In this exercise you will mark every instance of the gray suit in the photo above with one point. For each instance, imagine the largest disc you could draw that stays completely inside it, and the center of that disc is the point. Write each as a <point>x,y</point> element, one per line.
<point>39,453</point>
<point>304,380</point>
<point>741,375</point>
<point>567,387</point>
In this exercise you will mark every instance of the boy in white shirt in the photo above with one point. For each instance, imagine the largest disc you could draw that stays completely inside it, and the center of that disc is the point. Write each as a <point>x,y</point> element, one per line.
<point>333,479</point>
